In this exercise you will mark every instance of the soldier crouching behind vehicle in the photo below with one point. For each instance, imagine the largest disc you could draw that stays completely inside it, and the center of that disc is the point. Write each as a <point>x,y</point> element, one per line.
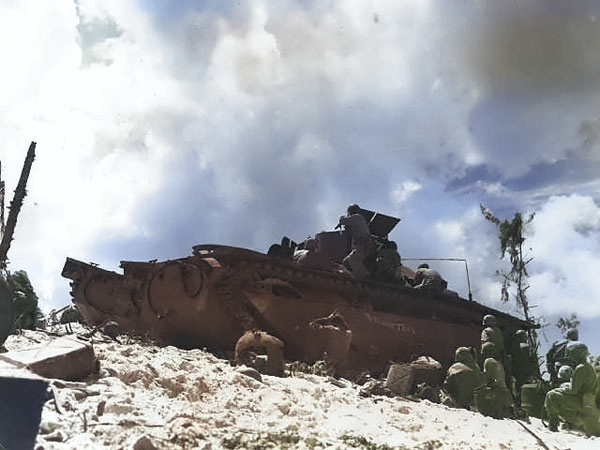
<point>429,280</point>
<point>312,255</point>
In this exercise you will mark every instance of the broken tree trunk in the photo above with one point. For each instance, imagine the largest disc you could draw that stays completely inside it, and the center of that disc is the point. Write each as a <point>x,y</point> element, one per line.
<point>1,202</point>
<point>15,206</point>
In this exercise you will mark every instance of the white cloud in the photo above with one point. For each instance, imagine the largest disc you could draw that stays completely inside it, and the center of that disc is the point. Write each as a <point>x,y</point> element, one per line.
<point>565,245</point>
<point>451,232</point>
<point>270,118</point>
<point>404,191</point>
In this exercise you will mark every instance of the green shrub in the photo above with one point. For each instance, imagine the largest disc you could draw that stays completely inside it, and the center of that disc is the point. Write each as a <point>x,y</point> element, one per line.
<point>25,301</point>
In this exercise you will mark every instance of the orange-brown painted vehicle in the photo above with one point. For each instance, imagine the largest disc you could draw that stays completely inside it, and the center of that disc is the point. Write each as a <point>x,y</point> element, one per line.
<point>211,298</point>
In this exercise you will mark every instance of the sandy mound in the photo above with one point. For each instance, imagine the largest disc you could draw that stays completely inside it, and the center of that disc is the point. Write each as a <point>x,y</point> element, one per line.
<point>146,397</point>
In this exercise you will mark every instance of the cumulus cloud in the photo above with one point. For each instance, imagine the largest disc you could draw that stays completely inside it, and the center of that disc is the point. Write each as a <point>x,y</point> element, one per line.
<point>160,127</point>
<point>565,245</point>
<point>534,77</point>
<point>563,241</point>
<point>405,190</point>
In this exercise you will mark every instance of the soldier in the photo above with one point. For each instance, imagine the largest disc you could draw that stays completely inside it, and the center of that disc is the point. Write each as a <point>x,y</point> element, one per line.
<point>312,255</point>
<point>523,362</point>
<point>429,280</point>
<point>493,398</point>
<point>557,355</point>
<point>564,376</point>
<point>356,224</point>
<point>388,262</point>
<point>462,378</point>
<point>575,402</point>
<point>491,333</point>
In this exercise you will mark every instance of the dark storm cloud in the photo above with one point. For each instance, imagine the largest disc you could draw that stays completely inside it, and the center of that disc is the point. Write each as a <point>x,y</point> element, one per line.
<point>533,71</point>
<point>535,48</point>
<point>574,172</point>
<point>563,176</point>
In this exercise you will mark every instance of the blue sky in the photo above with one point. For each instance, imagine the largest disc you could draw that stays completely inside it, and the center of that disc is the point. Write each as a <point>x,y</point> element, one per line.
<point>238,123</point>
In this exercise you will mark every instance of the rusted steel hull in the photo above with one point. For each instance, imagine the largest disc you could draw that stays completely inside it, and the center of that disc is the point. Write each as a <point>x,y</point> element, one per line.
<point>211,298</point>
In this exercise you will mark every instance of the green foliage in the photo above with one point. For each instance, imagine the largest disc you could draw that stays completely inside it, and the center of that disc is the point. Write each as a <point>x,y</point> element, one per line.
<point>362,442</point>
<point>6,309</point>
<point>25,301</point>
<point>250,440</point>
<point>571,322</point>
<point>70,314</point>
<point>511,242</point>
<point>512,239</point>
<point>258,441</point>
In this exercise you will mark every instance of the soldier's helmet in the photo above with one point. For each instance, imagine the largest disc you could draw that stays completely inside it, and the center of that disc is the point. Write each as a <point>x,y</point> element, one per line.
<point>565,373</point>
<point>353,209</point>
<point>577,352</point>
<point>489,321</point>
<point>572,334</point>
<point>521,336</point>
<point>463,355</point>
<point>488,350</point>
